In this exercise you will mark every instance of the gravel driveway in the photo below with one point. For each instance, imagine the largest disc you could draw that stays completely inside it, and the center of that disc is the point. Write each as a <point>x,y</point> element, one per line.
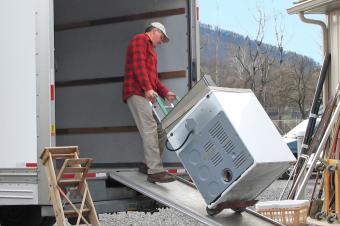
<point>169,216</point>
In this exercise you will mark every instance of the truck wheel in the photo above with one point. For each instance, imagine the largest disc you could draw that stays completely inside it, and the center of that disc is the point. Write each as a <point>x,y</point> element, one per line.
<point>239,210</point>
<point>285,175</point>
<point>320,167</point>
<point>23,216</point>
<point>320,215</point>
<point>12,216</point>
<point>212,212</point>
<point>47,221</point>
<point>331,168</point>
<point>332,218</point>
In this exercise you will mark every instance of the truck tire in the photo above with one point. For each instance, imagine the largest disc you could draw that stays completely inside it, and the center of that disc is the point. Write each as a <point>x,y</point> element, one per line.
<point>47,221</point>
<point>213,212</point>
<point>24,216</point>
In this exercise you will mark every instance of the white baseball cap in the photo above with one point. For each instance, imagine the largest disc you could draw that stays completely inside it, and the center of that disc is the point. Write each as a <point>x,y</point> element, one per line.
<point>162,29</point>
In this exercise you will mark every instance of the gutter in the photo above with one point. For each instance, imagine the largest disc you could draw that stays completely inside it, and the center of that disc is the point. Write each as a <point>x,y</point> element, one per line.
<point>310,6</point>
<point>325,47</point>
<point>323,27</point>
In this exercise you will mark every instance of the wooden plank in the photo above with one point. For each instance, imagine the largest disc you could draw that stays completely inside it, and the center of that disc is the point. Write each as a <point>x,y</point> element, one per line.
<point>72,205</point>
<point>61,172</point>
<point>97,81</point>
<point>58,150</point>
<point>74,169</point>
<point>112,20</point>
<point>337,189</point>
<point>73,213</point>
<point>82,205</point>
<point>93,213</point>
<point>327,182</point>
<point>60,156</point>
<point>69,181</point>
<point>77,161</point>
<point>54,193</point>
<point>337,183</point>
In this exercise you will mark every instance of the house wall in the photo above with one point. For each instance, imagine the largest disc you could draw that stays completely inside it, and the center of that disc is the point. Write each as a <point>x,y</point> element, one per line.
<point>334,45</point>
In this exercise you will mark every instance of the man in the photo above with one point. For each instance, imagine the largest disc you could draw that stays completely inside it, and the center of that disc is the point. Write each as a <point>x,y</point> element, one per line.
<point>141,85</point>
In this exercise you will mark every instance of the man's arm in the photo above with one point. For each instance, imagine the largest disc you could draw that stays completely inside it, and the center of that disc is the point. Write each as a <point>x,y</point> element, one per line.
<point>138,52</point>
<point>165,92</point>
<point>162,90</point>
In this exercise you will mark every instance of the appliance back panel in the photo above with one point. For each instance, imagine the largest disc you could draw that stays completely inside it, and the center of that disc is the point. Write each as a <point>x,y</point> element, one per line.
<point>215,157</point>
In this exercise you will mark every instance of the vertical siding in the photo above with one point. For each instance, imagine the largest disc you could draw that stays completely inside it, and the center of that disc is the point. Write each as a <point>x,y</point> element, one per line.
<point>334,44</point>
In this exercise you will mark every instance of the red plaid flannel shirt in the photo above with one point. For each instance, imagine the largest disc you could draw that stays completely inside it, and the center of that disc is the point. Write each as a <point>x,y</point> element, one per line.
<point>141,69</point>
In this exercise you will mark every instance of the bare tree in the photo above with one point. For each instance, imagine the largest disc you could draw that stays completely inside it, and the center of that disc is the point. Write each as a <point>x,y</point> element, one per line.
<point>279,31</point>
<point>217,56</point>
<point>255,62</point>
<point>204,42</point>
<point>280,79</point>
<point>301,79</point>
<point>245,64</point>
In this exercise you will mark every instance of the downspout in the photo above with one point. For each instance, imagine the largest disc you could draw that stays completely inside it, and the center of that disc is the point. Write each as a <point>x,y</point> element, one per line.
<point>325,49</point>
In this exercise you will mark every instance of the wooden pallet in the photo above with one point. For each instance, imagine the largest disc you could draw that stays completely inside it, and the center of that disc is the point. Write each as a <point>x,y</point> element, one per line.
<point>67,180</point>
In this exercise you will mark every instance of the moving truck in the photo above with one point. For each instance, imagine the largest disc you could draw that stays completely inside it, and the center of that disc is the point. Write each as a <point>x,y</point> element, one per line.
<point>61,73</point>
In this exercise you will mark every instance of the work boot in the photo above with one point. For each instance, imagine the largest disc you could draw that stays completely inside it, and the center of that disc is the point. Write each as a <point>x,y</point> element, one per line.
<point>143,168</point>
<point>162,177</point>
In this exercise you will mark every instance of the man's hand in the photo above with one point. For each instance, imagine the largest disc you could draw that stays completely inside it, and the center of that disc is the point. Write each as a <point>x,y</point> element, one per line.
<point>151,95</point>
<point>170,96</point>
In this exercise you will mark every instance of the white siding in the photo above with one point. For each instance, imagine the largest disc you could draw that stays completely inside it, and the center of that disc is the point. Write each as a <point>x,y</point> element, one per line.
<point>334,44</point>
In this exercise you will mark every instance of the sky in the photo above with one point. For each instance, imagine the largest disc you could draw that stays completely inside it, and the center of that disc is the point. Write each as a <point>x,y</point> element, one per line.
<point>240,17</point>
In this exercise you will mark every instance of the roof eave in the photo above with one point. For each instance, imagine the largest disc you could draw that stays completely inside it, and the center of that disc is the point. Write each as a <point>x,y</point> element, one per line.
<point>314,7</point>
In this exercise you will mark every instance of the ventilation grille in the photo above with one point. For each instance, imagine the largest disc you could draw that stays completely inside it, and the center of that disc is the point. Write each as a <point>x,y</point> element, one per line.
<point>216,157</point>
<point>218,132</point>
<point>240,159</point>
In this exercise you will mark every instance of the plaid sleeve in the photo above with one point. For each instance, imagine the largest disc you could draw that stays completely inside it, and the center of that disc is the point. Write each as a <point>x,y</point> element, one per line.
<point>138,54</point>
<point>162,90</point>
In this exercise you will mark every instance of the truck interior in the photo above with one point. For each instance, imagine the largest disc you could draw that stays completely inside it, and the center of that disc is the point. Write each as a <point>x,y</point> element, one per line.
<point>90,40</point>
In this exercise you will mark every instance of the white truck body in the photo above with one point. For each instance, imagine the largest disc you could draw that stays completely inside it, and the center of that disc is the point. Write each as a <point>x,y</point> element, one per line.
<point>61,71</point>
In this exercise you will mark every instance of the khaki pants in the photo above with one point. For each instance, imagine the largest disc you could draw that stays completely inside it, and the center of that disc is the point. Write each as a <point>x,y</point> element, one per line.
<point>153,136</point>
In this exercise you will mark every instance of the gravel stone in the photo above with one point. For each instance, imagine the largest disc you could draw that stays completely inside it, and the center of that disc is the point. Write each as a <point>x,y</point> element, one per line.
<point>171,217</point>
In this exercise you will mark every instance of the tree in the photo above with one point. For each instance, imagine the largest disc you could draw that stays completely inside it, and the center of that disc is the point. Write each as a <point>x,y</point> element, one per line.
<point>301,78</point>
<point>217,56</point>
<point>255,62</point>
<point>239,62</point>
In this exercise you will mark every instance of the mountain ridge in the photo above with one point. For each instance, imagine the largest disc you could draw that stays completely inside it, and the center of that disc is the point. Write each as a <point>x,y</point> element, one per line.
<point>209,35</point>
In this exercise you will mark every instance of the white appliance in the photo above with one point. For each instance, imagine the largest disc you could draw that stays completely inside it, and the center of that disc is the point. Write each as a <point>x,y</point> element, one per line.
<point>229,146</point>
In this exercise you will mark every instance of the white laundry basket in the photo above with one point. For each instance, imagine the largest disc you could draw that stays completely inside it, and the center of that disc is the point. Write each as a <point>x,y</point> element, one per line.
<point>287,212</point>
